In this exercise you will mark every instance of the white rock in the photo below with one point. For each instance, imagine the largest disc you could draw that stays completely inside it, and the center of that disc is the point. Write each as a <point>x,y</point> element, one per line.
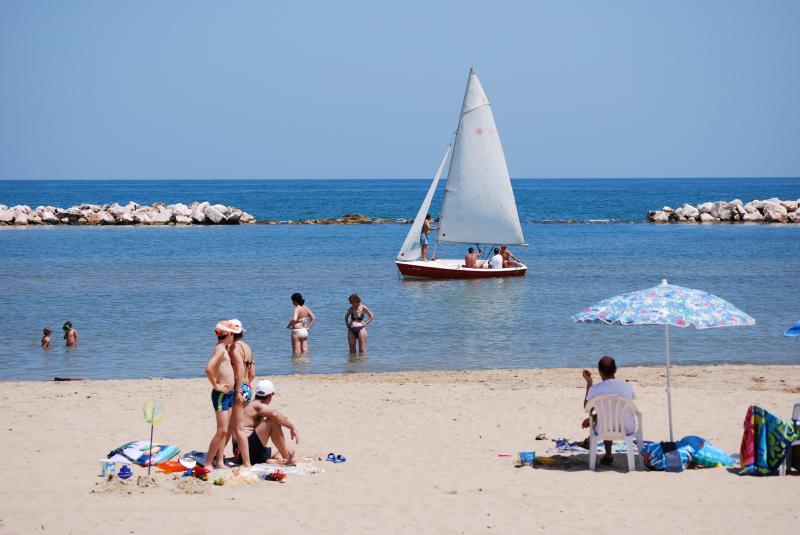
<point>775,216</point>
<point>35,219</point>
<point>690,211</point>
<point>101,218</point>
<point>234,216</point>
<point>247,219</point>
<point>49,218</point>
<point>707,218</point>
<point>790,206</point>
<point>660,217</point>
<point>753,216</point>
<point>705,208</point>
<point>755,203</point>
<point>772,206</point>
<point>162,217</point>
<point>213,215</point>
<point>667,209</point>
<point>183,219</point>
<point>180,209</point>
<point>198,216</point>
<point>126,219</point>
<point>750,208</point>
<point>6,216</point>
<point>21,219</point>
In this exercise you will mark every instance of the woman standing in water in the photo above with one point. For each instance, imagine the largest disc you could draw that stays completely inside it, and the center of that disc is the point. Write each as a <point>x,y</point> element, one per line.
<point>302,321</point>
<point>357,318</point>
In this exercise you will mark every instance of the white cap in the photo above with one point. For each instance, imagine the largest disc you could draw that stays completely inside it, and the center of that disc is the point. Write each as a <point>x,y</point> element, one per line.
<point>264,388</point>
<point>237,326</point>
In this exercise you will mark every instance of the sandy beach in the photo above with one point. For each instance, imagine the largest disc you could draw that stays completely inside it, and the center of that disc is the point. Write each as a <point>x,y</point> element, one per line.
<point>423,454</point>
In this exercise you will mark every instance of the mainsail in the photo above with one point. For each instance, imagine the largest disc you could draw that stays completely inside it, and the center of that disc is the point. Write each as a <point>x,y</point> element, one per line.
<point>479,205</point>
<point>411,249</point>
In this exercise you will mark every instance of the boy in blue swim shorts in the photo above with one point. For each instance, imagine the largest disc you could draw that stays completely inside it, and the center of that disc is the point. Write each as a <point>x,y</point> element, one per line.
<point>220,374</point>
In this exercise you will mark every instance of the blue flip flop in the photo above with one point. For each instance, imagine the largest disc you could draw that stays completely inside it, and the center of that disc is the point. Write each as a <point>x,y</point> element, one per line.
<point>340,459</point>
<point>331,458</point>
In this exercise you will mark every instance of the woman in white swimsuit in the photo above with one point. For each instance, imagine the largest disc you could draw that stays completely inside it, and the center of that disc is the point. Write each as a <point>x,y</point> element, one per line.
<point>357,318</point>
<point>301,323</point>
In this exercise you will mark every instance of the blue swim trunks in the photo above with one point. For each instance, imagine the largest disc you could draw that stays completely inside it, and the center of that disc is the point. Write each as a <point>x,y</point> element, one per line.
<point>222,401</point>
<point>423,239</point>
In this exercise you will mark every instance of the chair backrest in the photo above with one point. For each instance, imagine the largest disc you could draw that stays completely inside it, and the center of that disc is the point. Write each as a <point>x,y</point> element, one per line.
<point>796,412</point>
<point>611,411</point>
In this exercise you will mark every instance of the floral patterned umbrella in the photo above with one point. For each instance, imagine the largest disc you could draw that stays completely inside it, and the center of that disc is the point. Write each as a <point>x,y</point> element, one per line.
<point>666,304</point>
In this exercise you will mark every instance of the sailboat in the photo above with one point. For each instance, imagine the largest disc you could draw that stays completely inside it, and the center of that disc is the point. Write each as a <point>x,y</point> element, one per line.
<point>478,205</point>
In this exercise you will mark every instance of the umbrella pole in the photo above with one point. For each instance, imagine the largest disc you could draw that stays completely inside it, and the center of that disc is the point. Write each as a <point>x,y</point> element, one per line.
<point>669,381</point>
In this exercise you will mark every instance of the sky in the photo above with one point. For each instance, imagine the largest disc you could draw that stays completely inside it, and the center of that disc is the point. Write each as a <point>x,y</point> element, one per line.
<point>257,89</point>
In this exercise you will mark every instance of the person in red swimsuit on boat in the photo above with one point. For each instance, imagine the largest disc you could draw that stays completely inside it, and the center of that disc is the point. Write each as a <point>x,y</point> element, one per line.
<point>423,237</point>
<point>509,260</point>
<point>471,260</point>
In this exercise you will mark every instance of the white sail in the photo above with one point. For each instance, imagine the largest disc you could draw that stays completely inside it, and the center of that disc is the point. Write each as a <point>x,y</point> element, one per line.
<point>479,205</point>
<point>411,249</point>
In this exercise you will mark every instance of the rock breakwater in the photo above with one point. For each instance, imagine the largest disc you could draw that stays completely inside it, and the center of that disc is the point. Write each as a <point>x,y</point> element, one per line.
<point>197,213</point>
<point>772,210</point>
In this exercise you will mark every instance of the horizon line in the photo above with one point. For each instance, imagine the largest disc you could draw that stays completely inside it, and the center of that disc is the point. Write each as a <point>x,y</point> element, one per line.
<point>382,178</point>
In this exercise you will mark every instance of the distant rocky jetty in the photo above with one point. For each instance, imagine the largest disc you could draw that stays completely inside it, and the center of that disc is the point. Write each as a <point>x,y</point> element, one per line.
<point>347,219</point>
<point>197,213</point>
<point>769,211</point>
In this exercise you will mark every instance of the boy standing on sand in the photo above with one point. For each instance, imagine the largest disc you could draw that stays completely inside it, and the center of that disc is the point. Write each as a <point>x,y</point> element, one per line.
<point>220,374</point>
<point>46,338</point>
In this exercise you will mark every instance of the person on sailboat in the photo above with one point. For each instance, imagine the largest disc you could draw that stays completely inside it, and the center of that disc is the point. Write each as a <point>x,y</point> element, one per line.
<point>423,237</point>
<point>496,262</point>
<point>357,318</point>
<point>300,324</point>
<point>509,260</point>
<point>471,260</point>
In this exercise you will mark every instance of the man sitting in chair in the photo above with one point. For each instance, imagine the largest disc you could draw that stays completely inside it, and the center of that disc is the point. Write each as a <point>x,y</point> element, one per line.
<point>609,386</point>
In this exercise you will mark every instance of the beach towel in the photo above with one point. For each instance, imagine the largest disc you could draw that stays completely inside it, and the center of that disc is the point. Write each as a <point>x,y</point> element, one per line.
<point>655,459</point>
<point>765,441</point>
<point>565,445</point>
<point>138,452</point>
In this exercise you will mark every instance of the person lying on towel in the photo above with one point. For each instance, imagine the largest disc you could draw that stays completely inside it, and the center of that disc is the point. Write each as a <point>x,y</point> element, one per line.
<point>609,386</point>
<point>265,424</point>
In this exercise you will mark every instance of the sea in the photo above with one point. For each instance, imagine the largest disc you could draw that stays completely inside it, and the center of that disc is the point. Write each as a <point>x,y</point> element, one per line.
<point>145,300</point>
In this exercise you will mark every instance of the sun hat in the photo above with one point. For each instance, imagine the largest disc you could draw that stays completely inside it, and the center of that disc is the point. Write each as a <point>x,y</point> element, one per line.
<point>226,326</point>
<point>264,388</point>
<point>237,326</point>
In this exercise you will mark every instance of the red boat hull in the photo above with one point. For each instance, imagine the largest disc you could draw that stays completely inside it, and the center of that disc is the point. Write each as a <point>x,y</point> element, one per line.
<point>433,270</point>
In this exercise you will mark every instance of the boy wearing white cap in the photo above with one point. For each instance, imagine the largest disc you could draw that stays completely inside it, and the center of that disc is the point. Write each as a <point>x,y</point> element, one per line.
<point>265,424</point>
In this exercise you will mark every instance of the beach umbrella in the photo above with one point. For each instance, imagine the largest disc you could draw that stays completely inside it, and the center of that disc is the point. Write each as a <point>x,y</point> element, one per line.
<point>666,304</point>
<point>793,331</point>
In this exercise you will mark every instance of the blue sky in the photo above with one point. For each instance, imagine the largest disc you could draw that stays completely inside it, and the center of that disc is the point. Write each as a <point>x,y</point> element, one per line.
<point>196,89</point>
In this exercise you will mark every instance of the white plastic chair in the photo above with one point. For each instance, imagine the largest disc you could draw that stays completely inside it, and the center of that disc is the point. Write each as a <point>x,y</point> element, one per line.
<point>783,470</point>
<point>610,425</point>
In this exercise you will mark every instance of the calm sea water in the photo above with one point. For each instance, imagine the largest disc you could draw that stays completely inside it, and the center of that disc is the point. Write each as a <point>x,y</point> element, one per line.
<point>145,299</point>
